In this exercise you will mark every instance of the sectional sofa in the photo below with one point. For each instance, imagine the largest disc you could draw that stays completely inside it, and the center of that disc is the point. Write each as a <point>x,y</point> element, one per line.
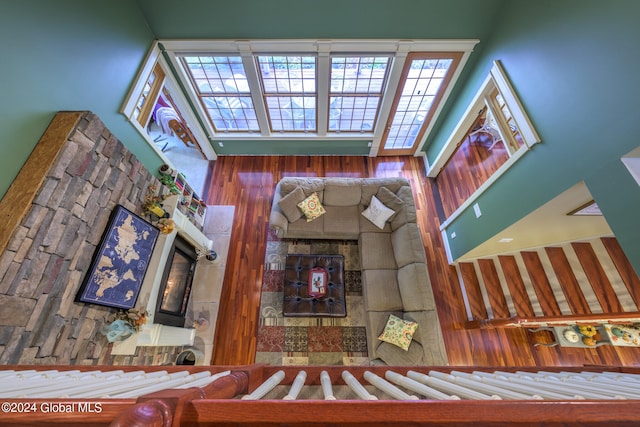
<point>395,279</point>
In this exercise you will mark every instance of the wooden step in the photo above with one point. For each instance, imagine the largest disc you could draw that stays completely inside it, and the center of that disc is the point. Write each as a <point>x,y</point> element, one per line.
<point>544,292</point>
<point>597,278</point>
<point>567,279</point>
<point>624,267</point>
<point>516,285</point>
<point>477,306</point>
<point>493,288</point>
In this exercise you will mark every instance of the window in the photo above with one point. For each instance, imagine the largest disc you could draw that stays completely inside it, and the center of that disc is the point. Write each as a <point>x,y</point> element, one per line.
<point>357,86</point>
<point>424,79</point>
<point>496,112</point>
<point>221,85</point>
<point>318,89</point>
<point>149,94</point>
<point>289,91</point>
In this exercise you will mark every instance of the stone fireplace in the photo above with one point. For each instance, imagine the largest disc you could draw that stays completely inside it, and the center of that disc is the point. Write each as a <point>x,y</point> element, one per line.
<point>53,217</point>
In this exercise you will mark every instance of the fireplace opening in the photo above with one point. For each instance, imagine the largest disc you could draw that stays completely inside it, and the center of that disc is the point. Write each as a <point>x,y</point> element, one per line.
<point>175,286</point>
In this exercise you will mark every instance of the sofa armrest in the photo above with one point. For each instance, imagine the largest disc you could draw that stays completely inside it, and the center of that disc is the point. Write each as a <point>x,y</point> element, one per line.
<point>277,220</point>
<point>279,223</point>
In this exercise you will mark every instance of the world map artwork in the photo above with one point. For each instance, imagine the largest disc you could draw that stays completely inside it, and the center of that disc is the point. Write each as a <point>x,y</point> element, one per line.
<point>121,261</point>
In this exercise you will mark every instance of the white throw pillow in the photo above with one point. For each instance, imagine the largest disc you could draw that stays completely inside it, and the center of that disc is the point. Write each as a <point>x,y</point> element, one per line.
<point>377,213</point>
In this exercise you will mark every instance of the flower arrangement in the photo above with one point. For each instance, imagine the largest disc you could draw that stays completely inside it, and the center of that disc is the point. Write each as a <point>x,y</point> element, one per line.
<point>135,317</point>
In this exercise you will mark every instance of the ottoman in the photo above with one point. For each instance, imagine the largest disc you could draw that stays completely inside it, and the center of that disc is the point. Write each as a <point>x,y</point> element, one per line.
<point>298,302</point>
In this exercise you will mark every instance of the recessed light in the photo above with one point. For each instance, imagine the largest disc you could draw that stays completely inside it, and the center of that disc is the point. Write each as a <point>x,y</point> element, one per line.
<point>505,240</point>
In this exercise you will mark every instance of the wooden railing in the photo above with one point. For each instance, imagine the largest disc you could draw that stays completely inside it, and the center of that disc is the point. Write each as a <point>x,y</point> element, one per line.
<point>534,322</point>
<point>522,397</point>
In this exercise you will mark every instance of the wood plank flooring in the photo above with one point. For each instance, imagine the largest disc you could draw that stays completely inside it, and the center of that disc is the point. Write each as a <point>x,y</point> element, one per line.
<point>248,184</point>
<point>469,167</point>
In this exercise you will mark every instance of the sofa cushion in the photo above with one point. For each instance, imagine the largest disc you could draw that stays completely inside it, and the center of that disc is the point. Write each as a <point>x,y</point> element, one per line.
<point>341,220</point>
<point>380,290</point>
<point>305,229</point>
<point>376,251</point>
<point>378,213</point>
<point>370,187</point>
<point>408,211</point>
<point>308,185</point>
<point>342,192</point>
<point>414,287</point>
<point>289,204</point>
<point>407,245</point>
<point>398,332</point>
<point>429,336</point>
<point>390,200</point>
<point>393,356</point>
<point>311,207</point>
<point>376,321</point>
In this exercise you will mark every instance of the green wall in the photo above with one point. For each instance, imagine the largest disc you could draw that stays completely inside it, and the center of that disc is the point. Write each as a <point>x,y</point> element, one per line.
<point>67,55</point>
<point>260,19</point>
<point>574,66</point>
<point>294,148</point>
<point>310,19</point>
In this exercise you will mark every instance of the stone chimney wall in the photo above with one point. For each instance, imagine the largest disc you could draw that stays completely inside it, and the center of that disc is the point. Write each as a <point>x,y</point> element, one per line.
<point>56,228</point>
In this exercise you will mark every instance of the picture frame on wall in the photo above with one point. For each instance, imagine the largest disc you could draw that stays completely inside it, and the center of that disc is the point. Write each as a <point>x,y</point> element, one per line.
<point>120,262</point>
<point>588,209</point>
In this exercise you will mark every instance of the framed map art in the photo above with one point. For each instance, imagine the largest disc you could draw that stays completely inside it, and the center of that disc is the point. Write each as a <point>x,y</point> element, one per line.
<point>120,261</point>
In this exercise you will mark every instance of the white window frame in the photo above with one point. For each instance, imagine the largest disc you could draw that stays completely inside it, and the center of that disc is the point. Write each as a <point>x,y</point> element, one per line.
<point>154,56</point>
<point>495,79</point>
<point>397,48</point>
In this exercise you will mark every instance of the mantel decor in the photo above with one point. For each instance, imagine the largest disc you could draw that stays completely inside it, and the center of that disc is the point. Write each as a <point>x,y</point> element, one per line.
<point>120,262</point>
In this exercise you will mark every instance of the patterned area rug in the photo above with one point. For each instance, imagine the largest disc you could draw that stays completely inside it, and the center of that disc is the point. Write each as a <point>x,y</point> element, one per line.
<point>306,340</point>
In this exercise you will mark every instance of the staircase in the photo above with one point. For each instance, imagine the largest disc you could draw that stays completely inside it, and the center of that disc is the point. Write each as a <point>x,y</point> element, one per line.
<point>573,279</point>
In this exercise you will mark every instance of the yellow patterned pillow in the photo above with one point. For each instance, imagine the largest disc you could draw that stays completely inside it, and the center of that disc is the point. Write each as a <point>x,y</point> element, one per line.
<point>398,332</point>
<point>311,207</point>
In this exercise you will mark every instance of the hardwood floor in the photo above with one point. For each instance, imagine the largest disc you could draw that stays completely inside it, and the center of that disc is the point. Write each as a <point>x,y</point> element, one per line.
<point>248,184</point>
<point>469,167</point>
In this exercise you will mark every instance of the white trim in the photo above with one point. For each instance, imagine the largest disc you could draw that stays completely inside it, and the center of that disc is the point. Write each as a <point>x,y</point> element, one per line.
<point>399,48</point>
<point>313,45</point>
<point>140,80</point>
<point>447,249</point>
<point>185,109</point>
<point>499,79</point>
<point>426,162</point>
<point>154,56</point>
<point>461,129</point>
<point>529,134</point>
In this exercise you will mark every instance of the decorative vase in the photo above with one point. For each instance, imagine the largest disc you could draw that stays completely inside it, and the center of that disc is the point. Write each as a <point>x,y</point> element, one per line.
<point>165,169</point>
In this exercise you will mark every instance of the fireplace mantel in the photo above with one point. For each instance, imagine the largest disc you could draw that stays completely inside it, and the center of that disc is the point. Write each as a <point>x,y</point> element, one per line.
<point>152,333</point>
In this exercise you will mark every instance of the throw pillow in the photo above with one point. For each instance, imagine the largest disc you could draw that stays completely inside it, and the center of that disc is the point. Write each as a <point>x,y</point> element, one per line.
<point>311,207</point>
<point>289,204</point>
<point>390,200</point>
<point>377,213</point>
<point>398,332</point>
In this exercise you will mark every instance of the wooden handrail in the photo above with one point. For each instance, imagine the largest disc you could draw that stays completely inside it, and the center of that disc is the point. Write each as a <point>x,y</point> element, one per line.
<point>526,322</point>
<point>403,413</point>
<point>218,404</point>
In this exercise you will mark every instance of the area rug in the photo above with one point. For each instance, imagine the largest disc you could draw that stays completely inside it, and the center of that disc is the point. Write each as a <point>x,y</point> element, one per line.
<point>305,340</point>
